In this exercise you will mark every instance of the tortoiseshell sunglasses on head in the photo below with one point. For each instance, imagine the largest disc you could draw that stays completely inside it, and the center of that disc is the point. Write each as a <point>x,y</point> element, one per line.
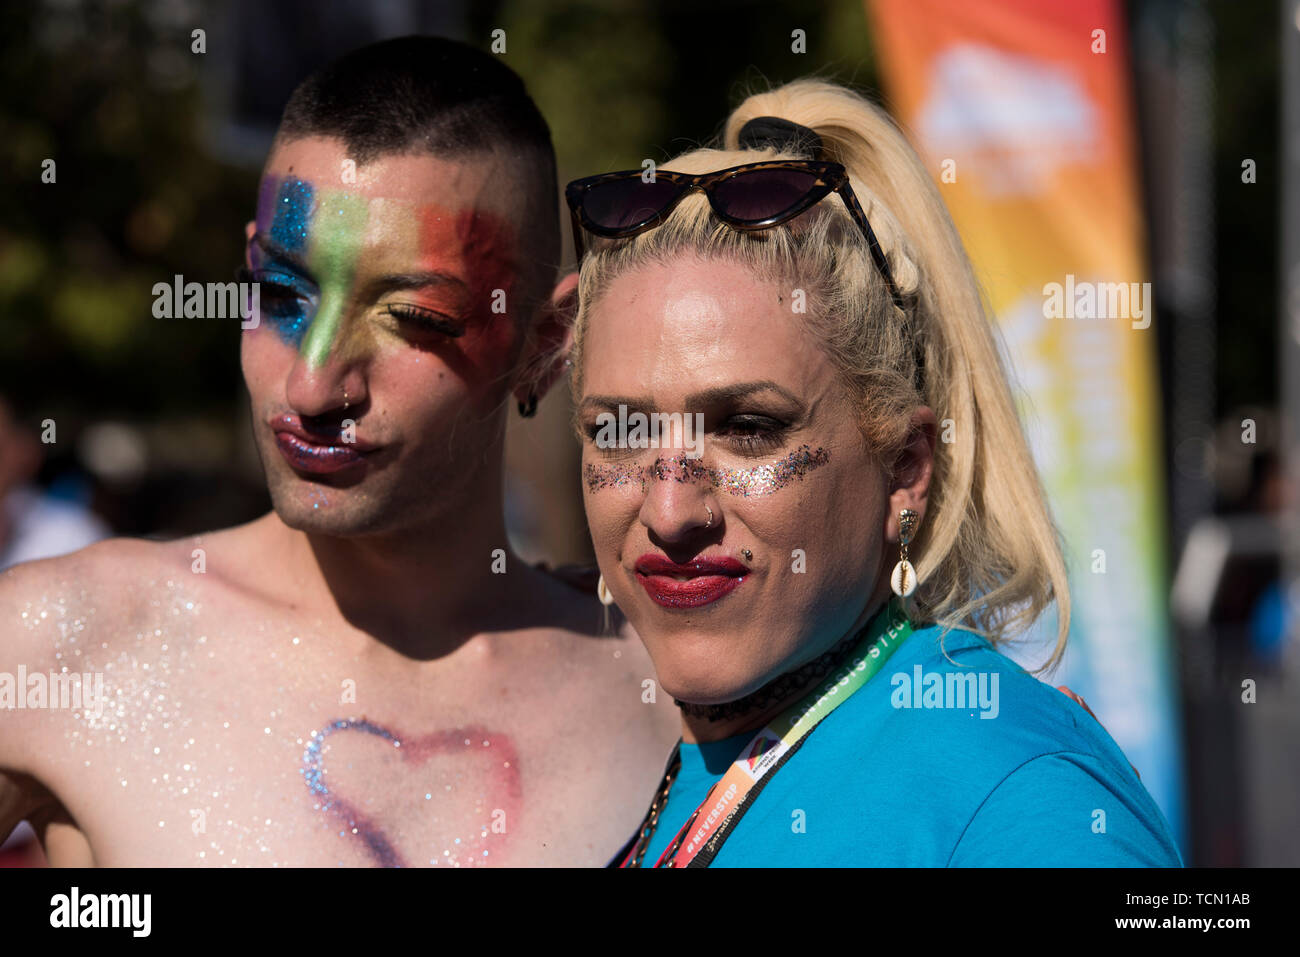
<point>748,197</point>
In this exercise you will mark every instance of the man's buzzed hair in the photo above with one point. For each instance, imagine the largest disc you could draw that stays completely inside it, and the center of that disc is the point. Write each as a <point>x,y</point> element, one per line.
<point>431,94</point>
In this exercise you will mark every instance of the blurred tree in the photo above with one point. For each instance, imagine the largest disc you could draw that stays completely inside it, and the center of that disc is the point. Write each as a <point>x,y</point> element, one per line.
<point>110,94</point>
<point>631,80</point>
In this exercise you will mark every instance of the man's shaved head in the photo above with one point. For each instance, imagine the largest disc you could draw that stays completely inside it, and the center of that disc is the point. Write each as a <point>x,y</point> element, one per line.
<point>438,96</point>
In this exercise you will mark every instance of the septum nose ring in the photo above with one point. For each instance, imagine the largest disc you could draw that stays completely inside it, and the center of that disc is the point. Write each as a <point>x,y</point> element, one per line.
<point>710,511</point>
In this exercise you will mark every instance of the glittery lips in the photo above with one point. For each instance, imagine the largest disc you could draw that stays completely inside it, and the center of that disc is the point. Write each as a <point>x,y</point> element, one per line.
<point>315,453</point>
<point>692,585</point>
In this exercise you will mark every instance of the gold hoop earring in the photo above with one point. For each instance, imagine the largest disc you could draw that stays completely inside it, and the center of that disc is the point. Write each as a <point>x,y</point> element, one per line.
<point>903,581</point>
<point>603,593</point>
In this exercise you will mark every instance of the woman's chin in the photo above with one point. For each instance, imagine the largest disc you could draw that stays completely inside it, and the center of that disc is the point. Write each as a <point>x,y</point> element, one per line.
<point>702,687</point>
<point>706,696</point>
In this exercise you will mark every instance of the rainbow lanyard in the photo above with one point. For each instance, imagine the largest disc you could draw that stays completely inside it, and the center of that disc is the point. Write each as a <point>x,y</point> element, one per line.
<point>699,841</point>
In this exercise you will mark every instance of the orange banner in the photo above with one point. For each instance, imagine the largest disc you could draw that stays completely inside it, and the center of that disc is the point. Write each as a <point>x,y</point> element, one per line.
<point>1021,109</point>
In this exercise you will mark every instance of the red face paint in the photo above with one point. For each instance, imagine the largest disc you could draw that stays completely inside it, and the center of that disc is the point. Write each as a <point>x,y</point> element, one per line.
<point>479,247</point>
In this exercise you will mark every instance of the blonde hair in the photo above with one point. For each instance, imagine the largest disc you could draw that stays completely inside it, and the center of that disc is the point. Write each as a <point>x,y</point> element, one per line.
<point>988,554</point>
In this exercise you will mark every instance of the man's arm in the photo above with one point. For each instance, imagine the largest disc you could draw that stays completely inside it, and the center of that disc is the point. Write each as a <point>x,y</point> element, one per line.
<point>35,600</point>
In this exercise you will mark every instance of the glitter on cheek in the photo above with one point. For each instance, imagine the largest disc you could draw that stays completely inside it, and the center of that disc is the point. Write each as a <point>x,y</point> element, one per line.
<point>760,480</point>
<point>766,479</point>
<point>601,477</point>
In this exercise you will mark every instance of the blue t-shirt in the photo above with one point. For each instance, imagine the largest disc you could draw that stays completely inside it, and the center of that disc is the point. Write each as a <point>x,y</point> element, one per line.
<point>887,781</point>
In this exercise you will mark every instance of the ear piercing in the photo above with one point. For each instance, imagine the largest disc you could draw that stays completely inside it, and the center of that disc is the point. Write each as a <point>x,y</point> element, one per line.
<point>903,581</point>
<point>603,593</point>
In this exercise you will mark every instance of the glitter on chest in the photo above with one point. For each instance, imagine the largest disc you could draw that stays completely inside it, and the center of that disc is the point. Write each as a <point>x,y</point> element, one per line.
<point>157,750</point>
<point>487,802</point>
<point>201,743</point>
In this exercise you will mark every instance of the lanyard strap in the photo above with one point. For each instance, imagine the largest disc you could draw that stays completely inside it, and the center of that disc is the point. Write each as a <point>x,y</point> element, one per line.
<point>703,835</point>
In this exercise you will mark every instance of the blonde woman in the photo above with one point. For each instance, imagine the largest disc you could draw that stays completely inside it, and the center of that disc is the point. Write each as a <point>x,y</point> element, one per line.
<point>822,585</point>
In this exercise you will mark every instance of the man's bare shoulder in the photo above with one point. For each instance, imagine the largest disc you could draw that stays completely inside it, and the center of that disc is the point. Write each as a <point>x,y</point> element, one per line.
<point>118,604</point>
<point>52,609</point>
<point>113,579</point>
<point>45,597</point>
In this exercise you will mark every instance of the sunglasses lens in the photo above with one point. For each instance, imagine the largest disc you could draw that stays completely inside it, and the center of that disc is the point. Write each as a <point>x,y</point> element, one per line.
<point>625,203</point>
<point>763,194</point>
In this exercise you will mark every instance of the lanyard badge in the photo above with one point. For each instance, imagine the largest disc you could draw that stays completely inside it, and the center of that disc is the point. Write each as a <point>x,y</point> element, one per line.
<point>700,839</point>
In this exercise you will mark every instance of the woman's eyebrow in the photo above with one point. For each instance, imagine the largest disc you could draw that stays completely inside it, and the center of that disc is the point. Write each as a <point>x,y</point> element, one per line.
<point>717,395</point>
<point>633,403</point>
<point>740,390</point>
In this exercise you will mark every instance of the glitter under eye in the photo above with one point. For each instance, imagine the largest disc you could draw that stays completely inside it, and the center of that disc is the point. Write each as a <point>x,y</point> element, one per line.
<point>760,480</point>
<point>288,312</point>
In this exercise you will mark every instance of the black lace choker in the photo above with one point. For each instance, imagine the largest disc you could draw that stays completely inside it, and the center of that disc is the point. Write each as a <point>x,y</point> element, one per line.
<point>778,689</point>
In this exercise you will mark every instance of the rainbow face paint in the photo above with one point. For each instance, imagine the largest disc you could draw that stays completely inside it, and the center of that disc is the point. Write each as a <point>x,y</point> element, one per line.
<point>289,299</point>
<point>340,223</point>
<point>293,206</point>
<point>760,480</point>
<point>316,249</point>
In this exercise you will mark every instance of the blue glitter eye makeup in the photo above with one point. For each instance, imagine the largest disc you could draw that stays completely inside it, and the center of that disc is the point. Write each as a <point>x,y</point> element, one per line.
<point>293,209</point>
<point>288,302</point>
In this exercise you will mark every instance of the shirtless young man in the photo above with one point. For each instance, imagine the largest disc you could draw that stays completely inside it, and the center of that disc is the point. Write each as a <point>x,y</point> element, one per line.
<point>348,680</point>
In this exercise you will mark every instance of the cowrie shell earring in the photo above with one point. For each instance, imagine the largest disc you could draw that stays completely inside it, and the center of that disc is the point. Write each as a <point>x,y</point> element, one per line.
<point>903,581</point>
<point>603,593</point>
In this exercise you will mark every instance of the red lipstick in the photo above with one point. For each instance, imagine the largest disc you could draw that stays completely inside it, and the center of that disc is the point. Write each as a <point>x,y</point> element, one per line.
<point>692,585</point>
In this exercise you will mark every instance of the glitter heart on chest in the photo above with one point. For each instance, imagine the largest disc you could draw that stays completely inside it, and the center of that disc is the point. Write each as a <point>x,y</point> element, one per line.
<point>419,770</point>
